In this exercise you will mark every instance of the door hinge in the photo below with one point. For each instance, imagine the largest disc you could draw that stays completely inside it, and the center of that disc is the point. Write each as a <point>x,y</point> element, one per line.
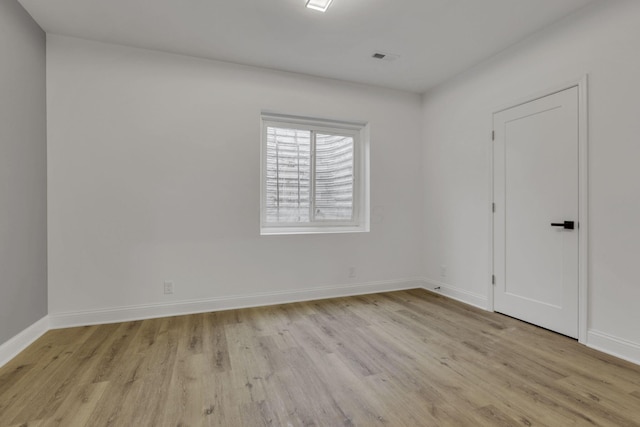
<point>493,279</point>
<point>493,207</point>
<point>493,135</point>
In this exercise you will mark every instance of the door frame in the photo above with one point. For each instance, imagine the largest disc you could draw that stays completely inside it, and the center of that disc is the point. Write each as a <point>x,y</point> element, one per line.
<point>583,193</point>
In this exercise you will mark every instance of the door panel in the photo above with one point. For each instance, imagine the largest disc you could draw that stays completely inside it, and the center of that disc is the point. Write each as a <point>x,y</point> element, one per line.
<point>536,184</point>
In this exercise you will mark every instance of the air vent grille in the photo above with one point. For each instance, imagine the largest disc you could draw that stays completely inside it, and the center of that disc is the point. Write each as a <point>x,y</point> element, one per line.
<point>385,56</point>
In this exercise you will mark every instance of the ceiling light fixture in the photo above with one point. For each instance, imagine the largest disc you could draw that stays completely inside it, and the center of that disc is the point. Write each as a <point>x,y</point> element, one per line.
<point>321,5</point>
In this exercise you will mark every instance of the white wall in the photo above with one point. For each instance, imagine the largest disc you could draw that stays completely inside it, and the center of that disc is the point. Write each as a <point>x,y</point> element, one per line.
<point>23,174</point>
<point>154,175</point>
<point>603,41</point>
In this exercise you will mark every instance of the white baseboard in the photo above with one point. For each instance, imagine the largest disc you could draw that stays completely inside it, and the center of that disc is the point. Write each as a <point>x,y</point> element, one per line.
<point>458,294</point>
<point>149,311</point>
<point>618,347</point>
<point>15,345</point>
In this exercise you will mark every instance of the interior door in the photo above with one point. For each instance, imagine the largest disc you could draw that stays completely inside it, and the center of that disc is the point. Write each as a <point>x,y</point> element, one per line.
<point>536,224</point>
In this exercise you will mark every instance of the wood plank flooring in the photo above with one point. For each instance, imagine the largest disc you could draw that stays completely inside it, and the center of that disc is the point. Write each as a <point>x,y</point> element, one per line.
<point>407,358</point>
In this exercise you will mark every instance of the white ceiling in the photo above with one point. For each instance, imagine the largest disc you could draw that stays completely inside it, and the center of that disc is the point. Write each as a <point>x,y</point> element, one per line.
<point>434,38</point>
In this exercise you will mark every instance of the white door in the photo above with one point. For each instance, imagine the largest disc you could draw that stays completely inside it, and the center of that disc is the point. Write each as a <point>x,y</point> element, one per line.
<point>535,154</point>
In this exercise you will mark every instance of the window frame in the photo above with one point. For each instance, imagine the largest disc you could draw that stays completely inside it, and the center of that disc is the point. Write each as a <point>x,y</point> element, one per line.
<point>359,131</point>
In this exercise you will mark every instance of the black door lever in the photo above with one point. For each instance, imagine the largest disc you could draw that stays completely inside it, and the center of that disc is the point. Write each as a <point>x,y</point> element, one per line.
<point>567,225</point>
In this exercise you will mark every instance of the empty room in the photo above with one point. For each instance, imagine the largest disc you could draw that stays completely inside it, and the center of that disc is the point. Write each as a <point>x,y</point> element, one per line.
<point>319,213</point>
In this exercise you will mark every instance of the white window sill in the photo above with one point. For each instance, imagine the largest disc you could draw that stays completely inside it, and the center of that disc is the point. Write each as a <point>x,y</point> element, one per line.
<point>274,231</point>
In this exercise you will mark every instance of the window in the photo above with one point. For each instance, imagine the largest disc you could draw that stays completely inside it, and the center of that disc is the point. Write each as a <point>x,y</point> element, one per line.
<point>314,176</point>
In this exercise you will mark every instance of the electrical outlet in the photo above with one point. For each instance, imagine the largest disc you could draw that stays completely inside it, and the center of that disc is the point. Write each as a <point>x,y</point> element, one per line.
<point>352,272</point>
<point>168,288</point>
<point>443,271</point>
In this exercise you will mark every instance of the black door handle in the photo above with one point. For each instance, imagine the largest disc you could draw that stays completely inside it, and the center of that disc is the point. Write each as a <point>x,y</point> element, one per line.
<point>567,225</point>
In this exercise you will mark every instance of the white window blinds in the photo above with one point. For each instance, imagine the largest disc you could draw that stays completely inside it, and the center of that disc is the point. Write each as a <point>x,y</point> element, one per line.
<point>334,178</point>
<point>292,196</point>
<point>288,180</point>
<point>314,176</point>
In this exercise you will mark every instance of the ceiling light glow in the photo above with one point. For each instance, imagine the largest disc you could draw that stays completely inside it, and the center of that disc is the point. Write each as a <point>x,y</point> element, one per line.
<point>321,5</point>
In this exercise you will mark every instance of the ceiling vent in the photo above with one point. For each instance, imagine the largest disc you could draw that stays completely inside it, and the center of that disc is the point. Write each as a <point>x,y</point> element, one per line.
<point>385,56</point>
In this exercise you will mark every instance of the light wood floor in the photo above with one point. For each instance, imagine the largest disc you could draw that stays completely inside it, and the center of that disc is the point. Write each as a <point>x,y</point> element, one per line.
<point>396,359</point>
